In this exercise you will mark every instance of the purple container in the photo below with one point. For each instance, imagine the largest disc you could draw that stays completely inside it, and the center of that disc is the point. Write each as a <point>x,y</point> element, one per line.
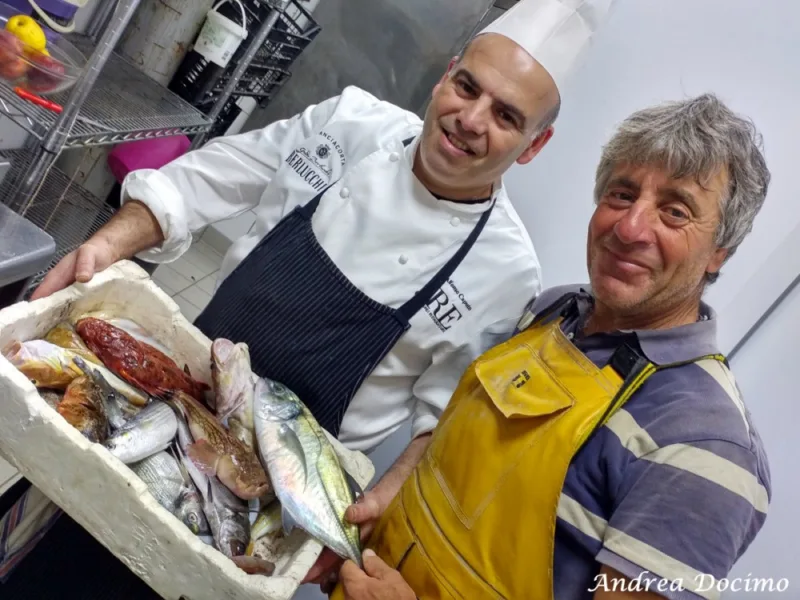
<point>146,154</point>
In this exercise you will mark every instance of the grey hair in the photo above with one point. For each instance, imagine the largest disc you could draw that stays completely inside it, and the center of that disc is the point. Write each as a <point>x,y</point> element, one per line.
<point>695,138</point>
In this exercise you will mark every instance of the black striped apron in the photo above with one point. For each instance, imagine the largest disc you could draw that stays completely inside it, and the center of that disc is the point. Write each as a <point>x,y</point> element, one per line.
<point>306,324</point>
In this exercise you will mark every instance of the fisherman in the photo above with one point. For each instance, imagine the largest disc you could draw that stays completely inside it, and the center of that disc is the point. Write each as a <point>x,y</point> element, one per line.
<point>604,451</point>
<point>386,254</point>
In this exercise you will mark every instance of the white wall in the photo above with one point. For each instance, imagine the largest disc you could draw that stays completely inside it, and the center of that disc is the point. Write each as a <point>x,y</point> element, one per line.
<point>746,51</point>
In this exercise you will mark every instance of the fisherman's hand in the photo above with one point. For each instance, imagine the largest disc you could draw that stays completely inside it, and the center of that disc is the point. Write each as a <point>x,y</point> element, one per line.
<point>378,581</point>
<point>364,513</point>
<point>79,265</point>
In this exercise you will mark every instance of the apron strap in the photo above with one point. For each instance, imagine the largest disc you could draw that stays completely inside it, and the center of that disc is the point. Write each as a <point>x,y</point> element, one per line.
<point>423,296</point>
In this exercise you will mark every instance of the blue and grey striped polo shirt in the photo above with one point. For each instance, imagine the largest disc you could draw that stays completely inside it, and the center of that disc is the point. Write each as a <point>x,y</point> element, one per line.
<point>675,487</point>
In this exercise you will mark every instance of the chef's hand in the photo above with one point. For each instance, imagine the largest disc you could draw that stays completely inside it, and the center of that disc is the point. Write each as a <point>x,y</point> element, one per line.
<point>79,265</point>
<point>378,581</point>
<point>364,513</point>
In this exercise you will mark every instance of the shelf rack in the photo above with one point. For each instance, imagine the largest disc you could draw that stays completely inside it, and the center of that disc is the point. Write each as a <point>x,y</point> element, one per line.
<point>112,102</point>
<point>61,208</point>
<point>124,104</point>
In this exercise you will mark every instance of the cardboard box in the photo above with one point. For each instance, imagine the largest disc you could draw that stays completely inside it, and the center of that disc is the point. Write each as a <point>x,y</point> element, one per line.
<point>99,491</point>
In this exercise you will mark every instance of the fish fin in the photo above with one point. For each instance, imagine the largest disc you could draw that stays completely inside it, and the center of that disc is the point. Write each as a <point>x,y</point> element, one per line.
<point>355,488</point>
<point>203,456</point>
<point>292,442</point>
<point>186,369</point>
<point>221,418</point>
<point>288,521</point>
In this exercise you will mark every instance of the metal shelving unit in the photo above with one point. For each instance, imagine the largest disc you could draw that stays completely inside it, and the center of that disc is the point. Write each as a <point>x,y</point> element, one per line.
<point>124,104</point>
<point>111,102</point>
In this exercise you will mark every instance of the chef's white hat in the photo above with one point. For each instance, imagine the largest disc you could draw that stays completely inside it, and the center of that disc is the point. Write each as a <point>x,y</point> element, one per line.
<point>554,32</point>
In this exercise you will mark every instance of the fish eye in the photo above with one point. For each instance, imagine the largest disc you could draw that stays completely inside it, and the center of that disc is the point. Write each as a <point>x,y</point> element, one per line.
<point>193,518</point>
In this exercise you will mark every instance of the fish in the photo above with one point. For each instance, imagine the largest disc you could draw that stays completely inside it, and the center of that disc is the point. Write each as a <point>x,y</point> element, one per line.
<point>189,509</point>
<point>52,397</point>
<point>165,480</point>
<point>233,387</point>
<point>216,452</point>
<point>49,366</point>
<point>147,433</point>
<point>131,327</point>
<point>313,489</point>
<point>84,409</point>
<point>254,566</point>
<point>64,336</point>
<point>228,516</point>
<point>137,363</point>
<point>267,522</point>
<point>118,409</point>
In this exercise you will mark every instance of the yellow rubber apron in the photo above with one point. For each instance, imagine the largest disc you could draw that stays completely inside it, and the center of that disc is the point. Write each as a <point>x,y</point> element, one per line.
<point>477,517</point>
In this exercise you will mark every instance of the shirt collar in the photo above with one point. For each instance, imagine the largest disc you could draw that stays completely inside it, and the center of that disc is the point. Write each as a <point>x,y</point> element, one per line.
<point>663,346</point>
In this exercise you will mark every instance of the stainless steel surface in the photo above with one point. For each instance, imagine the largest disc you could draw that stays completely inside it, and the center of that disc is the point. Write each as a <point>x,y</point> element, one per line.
<point>505,4</point>
<point>395,49</point>
<point>24,248</point>
<point>254,45</point>
<point>100,18</point>
<point>124,104</point>
<point>61,208</point>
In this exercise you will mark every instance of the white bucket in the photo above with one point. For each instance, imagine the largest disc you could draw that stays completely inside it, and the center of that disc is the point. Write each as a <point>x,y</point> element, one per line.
<point>220,37</point>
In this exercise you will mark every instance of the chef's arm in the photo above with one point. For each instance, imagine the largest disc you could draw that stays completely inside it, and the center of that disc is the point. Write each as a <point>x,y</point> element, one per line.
<point>131,230</point>
<point>225,178</point>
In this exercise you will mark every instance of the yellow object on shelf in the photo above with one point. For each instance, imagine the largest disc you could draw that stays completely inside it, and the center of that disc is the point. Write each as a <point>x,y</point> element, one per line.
<point>28,31</point>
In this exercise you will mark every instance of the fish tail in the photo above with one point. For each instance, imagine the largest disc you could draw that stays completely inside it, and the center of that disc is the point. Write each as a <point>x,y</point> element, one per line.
<point>251,547</point>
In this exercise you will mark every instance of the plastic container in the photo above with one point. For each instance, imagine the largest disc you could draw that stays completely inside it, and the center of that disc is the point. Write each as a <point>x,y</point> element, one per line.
<point>220,37</point>
<point>146,154</point>
<point>99,491</point>
<point>21,65</point>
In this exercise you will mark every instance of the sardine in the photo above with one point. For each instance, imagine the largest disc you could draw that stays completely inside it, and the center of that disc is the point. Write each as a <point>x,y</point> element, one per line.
<point>233,388</point>
<point>165,480</point>
<point>216,452</point>
<point>149,432</point>
<point>267,522</point>
<point>228,516</point>
<point>313,488</point>
<point>84,409</point>
<point>49,366</point>
<point>189,510</point>
<point>64,336</point>
<point>118,409</point>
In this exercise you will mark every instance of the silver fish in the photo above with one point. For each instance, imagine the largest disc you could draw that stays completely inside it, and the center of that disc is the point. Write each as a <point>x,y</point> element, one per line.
<point>118,409</point>
<point>189,509</point>
<point>233,387</point>
<point>228,516</point>
<point>163,477</point>
<point>313,488</point>
<point>267,522</point>
<point>149,432</point>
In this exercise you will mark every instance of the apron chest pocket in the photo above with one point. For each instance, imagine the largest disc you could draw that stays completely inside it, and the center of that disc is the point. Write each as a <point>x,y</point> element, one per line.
<point>514,400</point>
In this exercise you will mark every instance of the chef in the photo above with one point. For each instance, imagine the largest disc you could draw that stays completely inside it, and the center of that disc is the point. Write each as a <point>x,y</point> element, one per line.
<point>386,254</point>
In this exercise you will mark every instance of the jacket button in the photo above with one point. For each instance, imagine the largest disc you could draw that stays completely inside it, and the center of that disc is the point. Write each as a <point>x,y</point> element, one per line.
<point>394,157</point>
<point>403,259</point>
<point>345,193</point>
<point>455,221</point>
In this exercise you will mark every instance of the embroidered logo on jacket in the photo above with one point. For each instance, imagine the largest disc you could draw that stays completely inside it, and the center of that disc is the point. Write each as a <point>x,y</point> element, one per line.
<point>447,307</point>
<point>319,161</point>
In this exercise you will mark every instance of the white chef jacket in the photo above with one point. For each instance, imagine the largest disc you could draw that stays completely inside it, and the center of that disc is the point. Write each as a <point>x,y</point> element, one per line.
<point>379,225</point>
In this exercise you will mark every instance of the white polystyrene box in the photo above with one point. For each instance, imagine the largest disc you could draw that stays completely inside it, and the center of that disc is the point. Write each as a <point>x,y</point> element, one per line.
<point>99,491</point>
